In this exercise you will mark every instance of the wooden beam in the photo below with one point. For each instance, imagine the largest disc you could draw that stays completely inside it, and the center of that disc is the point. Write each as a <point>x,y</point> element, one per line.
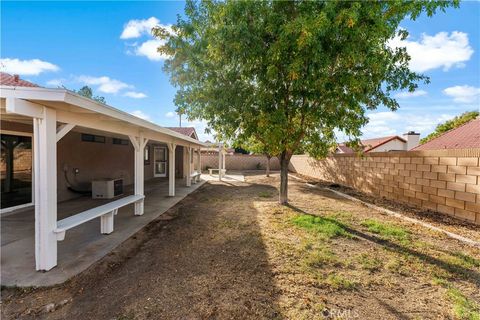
<point>24,108</point>
<point>63,130</point>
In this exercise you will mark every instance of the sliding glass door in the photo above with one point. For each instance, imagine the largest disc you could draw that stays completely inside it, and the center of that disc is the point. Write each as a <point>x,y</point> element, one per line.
<point>16,170</point>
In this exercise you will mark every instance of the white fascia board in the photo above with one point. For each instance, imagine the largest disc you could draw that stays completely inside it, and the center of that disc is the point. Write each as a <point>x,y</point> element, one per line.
<point>32,93</point>
<point>86,103</point>
<point>63,95</point>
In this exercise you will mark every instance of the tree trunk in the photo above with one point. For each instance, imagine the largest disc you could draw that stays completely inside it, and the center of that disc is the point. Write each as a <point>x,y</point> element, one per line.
<point>268,166</point>
<point>284,161</point>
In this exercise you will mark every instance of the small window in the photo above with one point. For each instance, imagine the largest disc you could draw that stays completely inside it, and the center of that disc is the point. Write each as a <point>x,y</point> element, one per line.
<point>92,138</point>
<point>146,155</point>
<point>122,142</point>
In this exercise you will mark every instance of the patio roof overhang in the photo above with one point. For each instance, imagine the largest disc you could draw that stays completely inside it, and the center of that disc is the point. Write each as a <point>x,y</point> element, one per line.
<point>55,112</point>
<point>77,110</point>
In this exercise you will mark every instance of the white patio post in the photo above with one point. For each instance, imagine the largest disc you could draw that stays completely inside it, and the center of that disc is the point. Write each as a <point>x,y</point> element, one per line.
<point>199,161</point>
<point>189,166</point>
<point>220,161</point>
<point>223,160</point>
<point>139,144</point>
<point>45,164</point>
<point>171,169</point>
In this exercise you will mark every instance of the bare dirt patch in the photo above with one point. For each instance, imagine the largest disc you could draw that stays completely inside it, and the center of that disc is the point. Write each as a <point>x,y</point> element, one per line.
<point>229,251</point>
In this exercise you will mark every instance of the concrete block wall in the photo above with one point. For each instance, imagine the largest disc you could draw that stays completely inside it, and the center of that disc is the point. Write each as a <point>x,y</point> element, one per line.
<point>446,181</point>
<point>239,162</point>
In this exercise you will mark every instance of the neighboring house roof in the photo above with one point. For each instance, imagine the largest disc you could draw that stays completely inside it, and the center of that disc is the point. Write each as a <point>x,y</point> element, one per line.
<point>188,131</point>
<point>369,144</point>
<point>344,149</point>
<point>463,137</point>
<point>14,81</point>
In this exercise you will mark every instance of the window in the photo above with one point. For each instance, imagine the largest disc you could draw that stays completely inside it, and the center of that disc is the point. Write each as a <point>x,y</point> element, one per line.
<point>92,138</point>
<point>122,142</point>
<point>146,155</point>
<point>16,172</point>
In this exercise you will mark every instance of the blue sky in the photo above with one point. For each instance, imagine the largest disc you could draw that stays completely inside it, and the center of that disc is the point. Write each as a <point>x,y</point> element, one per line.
<point>107,46</point>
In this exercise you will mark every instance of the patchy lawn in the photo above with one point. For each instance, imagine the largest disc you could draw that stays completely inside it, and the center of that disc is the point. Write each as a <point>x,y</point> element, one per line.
<point>230,251</point>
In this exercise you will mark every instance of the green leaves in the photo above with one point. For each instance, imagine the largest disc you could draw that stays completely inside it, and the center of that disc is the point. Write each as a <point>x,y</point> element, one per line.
<point>289,74</point>
<point>451,124</point>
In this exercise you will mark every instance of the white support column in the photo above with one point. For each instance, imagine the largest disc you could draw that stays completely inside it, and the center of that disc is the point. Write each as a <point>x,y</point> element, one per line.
<point>189,165</point>
<point>223,161</point>
<point>106,222</point>
<point>171,169</point>
<point>199,161</point>
<point>139,144</point>
<point>220,161</point>
<point>45,162</point>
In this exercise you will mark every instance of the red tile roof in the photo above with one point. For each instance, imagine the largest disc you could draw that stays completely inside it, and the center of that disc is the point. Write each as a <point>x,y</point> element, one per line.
<point>9,80</point>
<point>370,144</point>
<point>463,137</point>
<point>188,131</point>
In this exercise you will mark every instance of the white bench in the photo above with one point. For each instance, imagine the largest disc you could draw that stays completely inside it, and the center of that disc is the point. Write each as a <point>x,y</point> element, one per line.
<point>223,171</point>
<point>105,212</point>
<point>195,176</point>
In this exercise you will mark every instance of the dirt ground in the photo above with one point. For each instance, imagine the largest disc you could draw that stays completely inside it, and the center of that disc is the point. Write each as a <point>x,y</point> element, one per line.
<point>229,251</point>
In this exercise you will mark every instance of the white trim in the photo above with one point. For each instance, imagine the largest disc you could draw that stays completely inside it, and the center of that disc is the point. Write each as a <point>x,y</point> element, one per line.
<point>17,133</point>
<point>63,95</point>
<point>63,130</point>
<point>155,174</point>
<point>24,108</point>
<point>4,212</point>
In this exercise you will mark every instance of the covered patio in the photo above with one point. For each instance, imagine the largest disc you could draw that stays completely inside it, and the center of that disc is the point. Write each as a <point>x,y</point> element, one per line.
<point>83,245</point>
<point>132,171</point>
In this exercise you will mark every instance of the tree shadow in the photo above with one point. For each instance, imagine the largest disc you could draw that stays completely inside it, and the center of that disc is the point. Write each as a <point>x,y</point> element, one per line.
<point>467,274</point>
<point>208,261</point>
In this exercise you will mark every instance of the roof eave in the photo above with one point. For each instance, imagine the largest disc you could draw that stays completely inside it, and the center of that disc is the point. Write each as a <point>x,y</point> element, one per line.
<point>63,95</point>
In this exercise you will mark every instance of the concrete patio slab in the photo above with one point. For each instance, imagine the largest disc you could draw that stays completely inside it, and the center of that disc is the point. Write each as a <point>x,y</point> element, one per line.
<point>83,245</point>
<point>229,177</point>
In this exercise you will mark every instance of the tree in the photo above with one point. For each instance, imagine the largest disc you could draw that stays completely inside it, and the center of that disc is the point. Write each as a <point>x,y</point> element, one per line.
<point>86,91</point>
<point>451,124</point>
<point>258,147</point>
<point>291,73</point>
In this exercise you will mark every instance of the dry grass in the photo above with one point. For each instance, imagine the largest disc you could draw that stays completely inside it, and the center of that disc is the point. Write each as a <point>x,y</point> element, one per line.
<point>232,252</point>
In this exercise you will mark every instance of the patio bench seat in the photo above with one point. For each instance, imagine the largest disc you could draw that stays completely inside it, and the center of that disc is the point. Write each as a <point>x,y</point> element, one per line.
<point>195,176</point>
<point>105,212</point>
<point>223,171</point>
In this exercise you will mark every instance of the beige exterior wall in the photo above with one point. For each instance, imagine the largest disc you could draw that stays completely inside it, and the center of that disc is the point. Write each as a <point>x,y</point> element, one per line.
<point>391,145</point>
<point>445,181</point>
<point>239,162</point>
<point>93,160</point>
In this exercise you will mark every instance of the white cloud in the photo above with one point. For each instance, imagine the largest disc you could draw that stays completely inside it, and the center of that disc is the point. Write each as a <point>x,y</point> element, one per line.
<point>200,126</point>
<point>105,84</point>
<point>136,28</point>
<point>442,50</point>
<point>463,94</point>
<point>393,123</point>
<point>55,82</point>
<point>170,114</point>
<point>140,114</point>
<point>26,67</point>
<point>135,95</point>
<point>406,95</point>
<point>149,49</point>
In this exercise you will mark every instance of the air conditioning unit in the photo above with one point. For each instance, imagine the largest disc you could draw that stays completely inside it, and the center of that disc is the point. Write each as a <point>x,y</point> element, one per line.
<point>107,188</point>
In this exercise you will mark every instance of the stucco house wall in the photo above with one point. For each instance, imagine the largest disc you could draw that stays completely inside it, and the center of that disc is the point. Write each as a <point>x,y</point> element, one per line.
<point>94,161</point>
<point>391,145</point>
